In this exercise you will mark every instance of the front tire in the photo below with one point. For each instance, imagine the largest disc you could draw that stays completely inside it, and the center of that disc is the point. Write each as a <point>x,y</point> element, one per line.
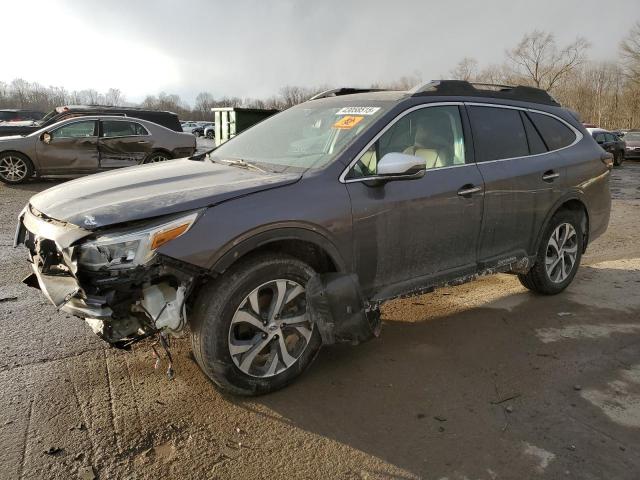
<point>250,333</point>
<point>15,168</point>
<point>558,256</point>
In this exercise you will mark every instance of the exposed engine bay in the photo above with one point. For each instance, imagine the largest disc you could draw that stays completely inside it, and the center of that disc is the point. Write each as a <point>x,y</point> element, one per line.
<point>122,301</point>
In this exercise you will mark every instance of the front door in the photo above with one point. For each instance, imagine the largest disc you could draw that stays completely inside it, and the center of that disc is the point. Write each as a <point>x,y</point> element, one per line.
<point>73,149</point>
<point>123,143</point>
<point>412,233</point>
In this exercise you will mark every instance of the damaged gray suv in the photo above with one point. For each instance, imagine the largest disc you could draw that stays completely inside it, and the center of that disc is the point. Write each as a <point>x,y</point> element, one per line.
<point>290,236</point>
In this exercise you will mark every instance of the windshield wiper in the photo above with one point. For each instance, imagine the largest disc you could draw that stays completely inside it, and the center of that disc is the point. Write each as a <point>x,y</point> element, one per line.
<point>237,162</point>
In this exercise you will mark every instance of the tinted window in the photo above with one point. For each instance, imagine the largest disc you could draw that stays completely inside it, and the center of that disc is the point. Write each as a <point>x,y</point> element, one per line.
<point>434,134</point>
<point>76,130</point>
<point>599,137</point>
<point>536,145</point>
<point>610,137</point>
<point>555,133</point>
<point>113,128</point>
<point>498,133</point>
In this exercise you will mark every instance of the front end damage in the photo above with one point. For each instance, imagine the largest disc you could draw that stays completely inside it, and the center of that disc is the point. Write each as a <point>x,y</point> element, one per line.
<point>122,302</point>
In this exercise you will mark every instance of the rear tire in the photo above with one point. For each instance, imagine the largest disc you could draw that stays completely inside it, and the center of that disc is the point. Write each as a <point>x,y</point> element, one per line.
<point>210,135</point>
<point>238,312</point>
<point>156,157</point>
<point>618,158</point>
<point>15,168</point>
<point>558,256</point>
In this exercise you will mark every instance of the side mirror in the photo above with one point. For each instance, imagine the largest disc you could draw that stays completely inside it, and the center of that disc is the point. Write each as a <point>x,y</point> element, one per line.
<point>46,137</point>
<point>400,166</point>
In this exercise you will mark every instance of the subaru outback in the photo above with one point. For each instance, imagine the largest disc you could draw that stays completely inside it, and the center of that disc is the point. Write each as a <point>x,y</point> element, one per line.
<point>292,234</point>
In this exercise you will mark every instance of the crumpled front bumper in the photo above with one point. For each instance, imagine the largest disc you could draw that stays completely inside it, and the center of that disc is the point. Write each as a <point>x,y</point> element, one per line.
<point>121,307</point>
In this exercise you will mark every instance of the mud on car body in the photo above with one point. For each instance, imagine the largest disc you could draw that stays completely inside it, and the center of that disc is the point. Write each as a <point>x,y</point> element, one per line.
<point>290,236</point>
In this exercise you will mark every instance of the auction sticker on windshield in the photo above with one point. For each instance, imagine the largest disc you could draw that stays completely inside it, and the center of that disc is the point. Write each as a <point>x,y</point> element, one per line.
<point>347,122</point>
<point>357,111</point>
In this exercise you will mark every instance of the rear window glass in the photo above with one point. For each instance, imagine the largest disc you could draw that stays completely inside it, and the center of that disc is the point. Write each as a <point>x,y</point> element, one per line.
<point>498,133</point>
<point>554,133</point>
<point>122,129</point>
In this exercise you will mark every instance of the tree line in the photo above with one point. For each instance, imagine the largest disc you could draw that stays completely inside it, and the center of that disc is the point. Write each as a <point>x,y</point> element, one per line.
<point>605,93</point>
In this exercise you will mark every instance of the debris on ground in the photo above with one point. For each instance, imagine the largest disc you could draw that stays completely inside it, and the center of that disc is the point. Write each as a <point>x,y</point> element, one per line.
<point>577,388</point>
<point>8,299</point>
<point>53,451</point>
<point>86,473</point>
<point>439,418</point>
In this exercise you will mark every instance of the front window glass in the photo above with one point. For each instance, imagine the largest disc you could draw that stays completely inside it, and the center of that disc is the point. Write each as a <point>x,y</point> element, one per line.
<point>434,134</point>
<point>309,135</point>
<point>76,130</point>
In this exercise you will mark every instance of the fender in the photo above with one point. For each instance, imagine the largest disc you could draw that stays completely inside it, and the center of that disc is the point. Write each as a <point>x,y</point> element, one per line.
<point>272,233</point>
<point>574,194</point>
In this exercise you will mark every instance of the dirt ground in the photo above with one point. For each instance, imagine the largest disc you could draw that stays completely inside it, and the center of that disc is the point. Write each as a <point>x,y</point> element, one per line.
<point>481,381</point>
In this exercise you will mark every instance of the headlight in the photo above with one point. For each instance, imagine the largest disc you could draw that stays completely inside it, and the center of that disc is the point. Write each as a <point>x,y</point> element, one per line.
<point>129,249</point>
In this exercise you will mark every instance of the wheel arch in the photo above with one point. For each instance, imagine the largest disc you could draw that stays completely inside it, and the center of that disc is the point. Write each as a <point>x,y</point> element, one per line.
<point>572,202</point>
<point>307,245</point>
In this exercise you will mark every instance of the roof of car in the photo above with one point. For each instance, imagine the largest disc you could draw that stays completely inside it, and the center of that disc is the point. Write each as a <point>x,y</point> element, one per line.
<point>447,88</point>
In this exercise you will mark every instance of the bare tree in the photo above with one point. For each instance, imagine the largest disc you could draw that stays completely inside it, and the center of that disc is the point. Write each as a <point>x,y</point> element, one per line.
<point>466,69</point>
<point>539,60</point>
<point>630,53</point>
<point>114,97</point>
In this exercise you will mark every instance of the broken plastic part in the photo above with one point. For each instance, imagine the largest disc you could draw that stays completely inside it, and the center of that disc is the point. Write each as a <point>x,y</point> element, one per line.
<point>337,308</point>
<point>165,305</point>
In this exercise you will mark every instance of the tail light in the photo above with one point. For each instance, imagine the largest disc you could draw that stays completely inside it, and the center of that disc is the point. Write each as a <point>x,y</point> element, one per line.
<point>607,159</point>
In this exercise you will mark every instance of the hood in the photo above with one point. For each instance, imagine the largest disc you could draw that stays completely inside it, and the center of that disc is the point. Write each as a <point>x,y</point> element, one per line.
<point>632,143</point>
<point>148,191</point>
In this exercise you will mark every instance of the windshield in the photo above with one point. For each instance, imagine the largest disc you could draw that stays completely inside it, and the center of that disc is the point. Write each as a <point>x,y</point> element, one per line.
<point>634,136</point>
<point>309,135</point>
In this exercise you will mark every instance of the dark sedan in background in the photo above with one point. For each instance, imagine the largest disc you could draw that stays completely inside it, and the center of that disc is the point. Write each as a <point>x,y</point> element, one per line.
<point>610,143</point>
<point>632,141</point>
<point>89,144</point>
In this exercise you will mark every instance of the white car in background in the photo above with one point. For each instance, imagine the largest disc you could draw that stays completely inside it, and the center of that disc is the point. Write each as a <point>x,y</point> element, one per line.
<point>189,126</point>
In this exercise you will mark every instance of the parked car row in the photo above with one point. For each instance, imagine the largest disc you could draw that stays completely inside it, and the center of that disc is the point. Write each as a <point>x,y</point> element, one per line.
<point>166,119</point>
<point>19,115</point>
<point>197,128</point>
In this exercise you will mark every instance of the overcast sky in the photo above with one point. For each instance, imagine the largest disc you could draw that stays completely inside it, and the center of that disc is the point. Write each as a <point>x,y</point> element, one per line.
<point>252,48</point>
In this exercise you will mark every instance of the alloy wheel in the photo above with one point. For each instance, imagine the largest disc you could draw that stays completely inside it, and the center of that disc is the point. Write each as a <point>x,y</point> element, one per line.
<point>157,158</point>
<point>270,329</point>
<point>13,169</point>
<point>562,251</point>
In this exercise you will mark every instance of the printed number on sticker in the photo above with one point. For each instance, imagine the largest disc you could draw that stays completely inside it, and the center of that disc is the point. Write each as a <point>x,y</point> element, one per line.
<point>357,111</point>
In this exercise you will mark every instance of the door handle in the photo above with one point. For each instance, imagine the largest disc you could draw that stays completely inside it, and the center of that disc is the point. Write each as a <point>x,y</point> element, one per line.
<point>143,141</point>
<point>550,176</point>
<point>467,190</point>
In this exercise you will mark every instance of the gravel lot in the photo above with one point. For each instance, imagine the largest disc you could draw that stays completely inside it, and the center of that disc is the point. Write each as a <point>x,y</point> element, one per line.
<point>480,381</point>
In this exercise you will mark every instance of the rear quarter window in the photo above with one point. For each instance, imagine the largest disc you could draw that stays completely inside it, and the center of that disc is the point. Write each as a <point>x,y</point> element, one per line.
<point>554,133</point>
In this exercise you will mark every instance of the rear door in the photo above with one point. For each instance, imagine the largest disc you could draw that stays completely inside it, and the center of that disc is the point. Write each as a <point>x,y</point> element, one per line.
<point>73,149</point>
<point>123,143</point>
<point>523,180</point>
<point>409,234</point>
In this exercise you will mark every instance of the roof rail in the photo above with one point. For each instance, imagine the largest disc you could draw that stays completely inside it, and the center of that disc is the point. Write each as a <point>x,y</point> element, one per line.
<point>464,88</point>
<point>336,92</point>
